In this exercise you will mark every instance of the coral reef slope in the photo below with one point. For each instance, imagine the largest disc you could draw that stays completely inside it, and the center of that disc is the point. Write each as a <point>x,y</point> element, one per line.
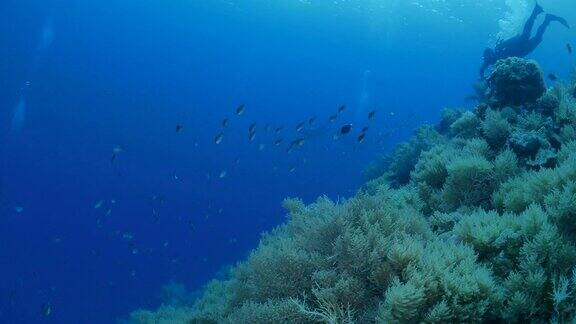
<point>471,221</point>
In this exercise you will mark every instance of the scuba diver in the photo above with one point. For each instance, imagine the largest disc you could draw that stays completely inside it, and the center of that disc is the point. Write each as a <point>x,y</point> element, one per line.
<point>520,45</point>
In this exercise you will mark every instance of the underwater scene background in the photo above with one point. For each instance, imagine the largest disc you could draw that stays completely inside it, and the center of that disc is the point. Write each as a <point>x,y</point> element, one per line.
<point>145,146</point>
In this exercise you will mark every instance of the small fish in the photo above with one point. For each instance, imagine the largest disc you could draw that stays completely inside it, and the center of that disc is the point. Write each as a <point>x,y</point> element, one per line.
<point>108,213</point>
<point>298,142</point>
<point>278,130</point>
<point>552,77</point>
<point>569,48</point>
<point>300,127</point>
<point>278,142</point>
<point>252,128</point>
<point>365,129</point>
<point>361,137</point>
<point>19,209</point>
<point>311,120</point>
<point>251,136</point>
<point>46,309</point>
<point>240,110</point>
<point>342,108</point>
<point>99,204</point>
<point>372,114</point>
<point>218,138</point>
<point>333,118</point>
<point>292,169</point>
<point>224,122</point>
<point>179,128</point>
<point>345,129</point>
<point>223,174</point>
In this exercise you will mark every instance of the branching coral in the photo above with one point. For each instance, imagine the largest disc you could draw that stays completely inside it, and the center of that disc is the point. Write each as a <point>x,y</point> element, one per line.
<point>495,129</point>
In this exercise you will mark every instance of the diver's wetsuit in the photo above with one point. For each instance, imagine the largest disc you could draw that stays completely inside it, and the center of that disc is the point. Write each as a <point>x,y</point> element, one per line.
<point>520,45</point>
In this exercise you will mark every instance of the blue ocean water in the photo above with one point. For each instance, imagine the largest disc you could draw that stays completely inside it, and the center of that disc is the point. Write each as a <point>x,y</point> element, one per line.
<point>102,201</point>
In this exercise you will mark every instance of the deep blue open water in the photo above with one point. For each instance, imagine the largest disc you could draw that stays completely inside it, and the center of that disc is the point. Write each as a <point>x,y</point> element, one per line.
<point>102,201</point>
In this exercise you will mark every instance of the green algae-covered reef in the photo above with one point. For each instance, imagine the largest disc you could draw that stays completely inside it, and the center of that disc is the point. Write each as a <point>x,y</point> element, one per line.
<point>471,221</point>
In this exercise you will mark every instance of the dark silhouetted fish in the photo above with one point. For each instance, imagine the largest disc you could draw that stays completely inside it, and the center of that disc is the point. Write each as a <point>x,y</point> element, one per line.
<point>251,136</point>
<point>224,122</point>
<point>218,138</point>
<point>569,48</point>
<point>364,129</point>
<point>240,109</point>
<point>361,137</point>
<point>372,114</point>
<point>278,130</point>
<point>312,120</point>
<point>252,128</point>
<point>332,118</point>
<point>179,128</point>
<point>278,142</point>
<point>341,108</point>
<point>552,77</point>
<point>345,129</point>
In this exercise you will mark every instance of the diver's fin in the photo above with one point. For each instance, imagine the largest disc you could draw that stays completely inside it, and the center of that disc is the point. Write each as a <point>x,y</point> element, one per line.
<point>538,8</point>
<point>561,20</point>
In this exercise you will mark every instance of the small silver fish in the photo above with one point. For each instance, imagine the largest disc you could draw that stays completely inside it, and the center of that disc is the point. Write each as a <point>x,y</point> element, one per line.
<point>218,138</point>
<point>47,309</point>
<point>298,142</point>
<point>251,136</point>
<point>252,128</point>
<point>300,127</point>
<point>361,138</point>
<point>278,142</point>
<point>342,108</point>
<point>225,122</point>
<point>99,204</point>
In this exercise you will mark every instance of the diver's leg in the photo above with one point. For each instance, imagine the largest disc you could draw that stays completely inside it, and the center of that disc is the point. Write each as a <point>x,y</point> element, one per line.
<point>530,22</point>
<point>532,43</point>
<point>542,29</point>
<point>537,39</point>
